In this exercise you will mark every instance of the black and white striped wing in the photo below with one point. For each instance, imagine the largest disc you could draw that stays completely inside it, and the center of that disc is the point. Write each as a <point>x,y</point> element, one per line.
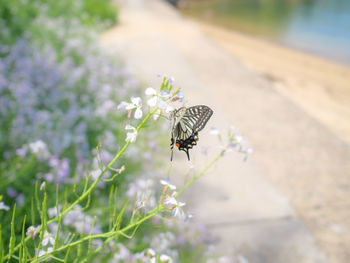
<point>186,131</point>
<point>197,117</point>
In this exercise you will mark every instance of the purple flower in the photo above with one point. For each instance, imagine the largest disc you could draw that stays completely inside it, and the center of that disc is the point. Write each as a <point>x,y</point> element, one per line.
<point>63,170</point>
<point>20,200</point>
<point>11,192</point>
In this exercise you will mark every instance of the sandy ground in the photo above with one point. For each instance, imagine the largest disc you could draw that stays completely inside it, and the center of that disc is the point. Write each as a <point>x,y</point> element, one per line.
<point>291,107</point>
<point>320,87</point>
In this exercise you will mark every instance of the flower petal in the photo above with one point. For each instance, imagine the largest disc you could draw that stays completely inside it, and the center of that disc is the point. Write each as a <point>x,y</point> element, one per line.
<point>150,91</point>
<point>171,80</point>
<point>129,127</point>
<point>165,94</point>
<point>131,136</point>
<point>136,101</point>
<point>162,104</point>
<point>152,101</point>
<point>123,104</point>
<point>169,109</point>
<point>45,241</point>
<point>214,131</point>
<point>156,115</point>
<point>138,113</point>
<point>130,106</point>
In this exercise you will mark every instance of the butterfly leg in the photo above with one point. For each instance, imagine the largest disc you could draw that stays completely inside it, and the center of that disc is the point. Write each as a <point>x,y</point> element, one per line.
<point>188,155</point>
<point>171,147</point>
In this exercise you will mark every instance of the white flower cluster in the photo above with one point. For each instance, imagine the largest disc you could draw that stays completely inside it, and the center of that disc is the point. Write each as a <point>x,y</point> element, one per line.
<point>160,100</point>
<point>172,203</point>
<point>141,191</point>
<point>48,240</point>
<point>235,141</point>
<point>148,255</point>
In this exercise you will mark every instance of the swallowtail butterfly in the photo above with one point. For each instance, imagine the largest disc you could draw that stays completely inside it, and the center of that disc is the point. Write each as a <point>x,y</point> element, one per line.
<point>186,123</point>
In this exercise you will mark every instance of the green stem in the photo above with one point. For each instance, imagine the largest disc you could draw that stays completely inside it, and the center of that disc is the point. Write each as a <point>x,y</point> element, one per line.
<point>153,212</point>
<point>113,233</point>
<point>89,190</point>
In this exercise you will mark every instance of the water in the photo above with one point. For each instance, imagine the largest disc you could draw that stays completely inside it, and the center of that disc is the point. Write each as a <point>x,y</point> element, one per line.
<point>321,27</point>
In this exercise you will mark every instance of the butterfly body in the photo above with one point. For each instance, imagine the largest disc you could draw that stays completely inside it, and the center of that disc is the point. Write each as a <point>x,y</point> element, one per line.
<point>186,123</point>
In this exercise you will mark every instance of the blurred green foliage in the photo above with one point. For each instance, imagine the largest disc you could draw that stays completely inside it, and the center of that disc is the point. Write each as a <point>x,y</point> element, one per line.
<point>17,16</point>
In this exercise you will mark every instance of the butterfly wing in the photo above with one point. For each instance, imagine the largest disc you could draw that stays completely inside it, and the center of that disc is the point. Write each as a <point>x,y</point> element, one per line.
<point>197,116</point>
<point>185,134</point>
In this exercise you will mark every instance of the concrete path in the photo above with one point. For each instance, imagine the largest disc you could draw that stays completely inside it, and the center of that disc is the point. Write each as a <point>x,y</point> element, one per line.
<point>245,212</point>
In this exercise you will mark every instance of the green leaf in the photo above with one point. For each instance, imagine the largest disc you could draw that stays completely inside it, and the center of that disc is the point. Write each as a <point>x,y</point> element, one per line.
<point>22,257</point>
<point>32,213</point>
<point>13,236</point>
<point>67,254</point>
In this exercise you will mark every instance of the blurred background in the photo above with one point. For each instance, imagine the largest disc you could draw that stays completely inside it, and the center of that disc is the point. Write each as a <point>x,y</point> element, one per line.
<point>278,71</point>
<point>318,27</point>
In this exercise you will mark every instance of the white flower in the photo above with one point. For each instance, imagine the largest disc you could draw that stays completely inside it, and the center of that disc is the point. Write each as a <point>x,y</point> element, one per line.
<point>48,238</point>
<point>170,202</point>
<point>141,201</point>
<point>136,102</point>
<point>214,131</point>
<point>242,259</point>
<point>175,206</point>
<point>52,212</point>
<point>179,96</point>
<point>4,207</point>
<point>165,94</point>
<point>178,211</point>
<point>32,230</point>
<point>169,109</point>
<point>167,183</point>
<point>160,100</point>
<point>151,252</point>
<point>40,149</point>
<point>165,258</point>
<point>238,138</point>
<point>42,186</point>
<point>151,92</point>
<point>36,147</point>
<point>43,253</point>
<point>131,136</point>
<point>157,114</point>
<point>162,104</point>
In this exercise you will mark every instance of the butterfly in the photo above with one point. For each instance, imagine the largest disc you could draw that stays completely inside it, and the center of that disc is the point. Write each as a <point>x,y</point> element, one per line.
<point>186,123</point>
